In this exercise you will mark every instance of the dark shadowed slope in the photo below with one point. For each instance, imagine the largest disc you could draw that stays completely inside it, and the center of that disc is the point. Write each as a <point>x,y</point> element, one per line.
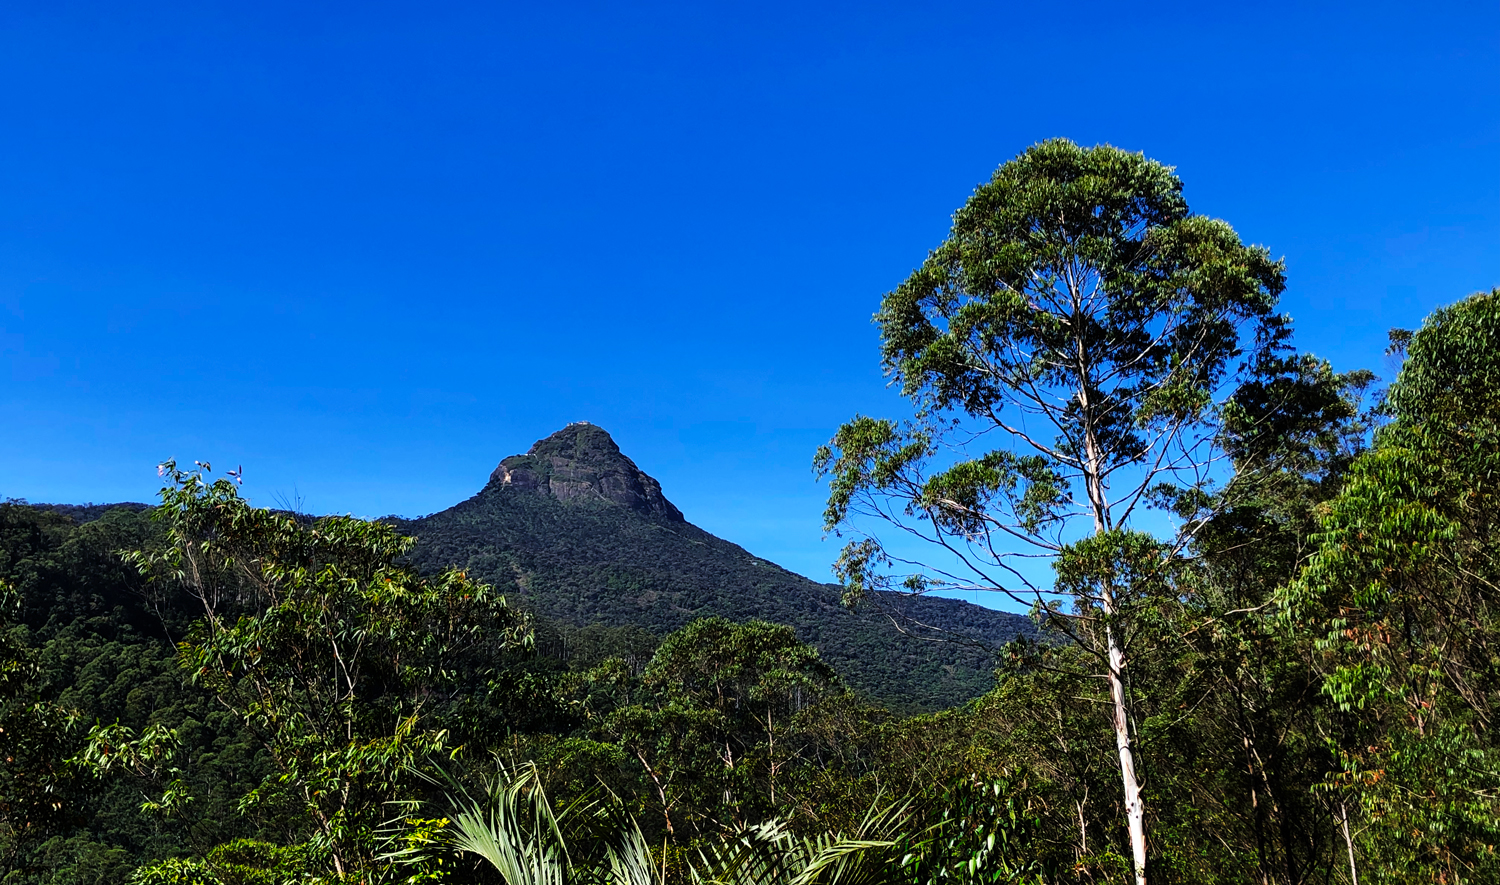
<point>580,533</point>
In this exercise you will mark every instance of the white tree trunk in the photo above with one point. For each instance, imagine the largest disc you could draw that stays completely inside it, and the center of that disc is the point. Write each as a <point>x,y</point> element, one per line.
<point>1348,842</point>
<point>1135,805</point>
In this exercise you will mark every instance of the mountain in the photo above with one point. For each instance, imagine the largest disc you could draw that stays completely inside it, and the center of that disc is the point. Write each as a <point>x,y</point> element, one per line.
<point>574,530</point>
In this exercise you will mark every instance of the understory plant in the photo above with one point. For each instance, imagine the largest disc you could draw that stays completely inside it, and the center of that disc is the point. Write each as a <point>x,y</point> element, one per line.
<point>513,829</point>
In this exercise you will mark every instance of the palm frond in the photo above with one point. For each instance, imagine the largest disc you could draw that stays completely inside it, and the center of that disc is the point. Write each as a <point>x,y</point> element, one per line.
<point>630,862</point>
<point>768,854</point>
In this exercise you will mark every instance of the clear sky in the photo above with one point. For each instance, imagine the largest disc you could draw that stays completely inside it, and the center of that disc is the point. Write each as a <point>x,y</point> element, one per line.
<point>368,249</point>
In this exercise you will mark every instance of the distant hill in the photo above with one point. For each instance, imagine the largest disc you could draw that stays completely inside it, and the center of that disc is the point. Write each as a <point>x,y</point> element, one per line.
<point>576,531</point>
<point>82,513</point>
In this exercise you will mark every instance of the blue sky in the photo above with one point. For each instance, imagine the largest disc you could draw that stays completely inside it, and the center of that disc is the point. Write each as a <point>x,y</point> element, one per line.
<point>367,250</point>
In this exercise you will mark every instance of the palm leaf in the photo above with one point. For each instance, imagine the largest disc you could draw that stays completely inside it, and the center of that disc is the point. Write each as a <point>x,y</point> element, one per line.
<point>768,854</point>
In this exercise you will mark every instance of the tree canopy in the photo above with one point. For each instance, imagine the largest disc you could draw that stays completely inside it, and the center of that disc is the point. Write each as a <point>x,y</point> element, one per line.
<point>1073,352</point>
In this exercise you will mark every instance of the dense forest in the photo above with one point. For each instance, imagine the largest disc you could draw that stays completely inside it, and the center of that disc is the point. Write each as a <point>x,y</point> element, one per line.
<point>1265,651</point>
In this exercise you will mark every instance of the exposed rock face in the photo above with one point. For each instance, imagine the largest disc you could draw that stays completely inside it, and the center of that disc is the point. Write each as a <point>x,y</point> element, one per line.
<point>581,461</point>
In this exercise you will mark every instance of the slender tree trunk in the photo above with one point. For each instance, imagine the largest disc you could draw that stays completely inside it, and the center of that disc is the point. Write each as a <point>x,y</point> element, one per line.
<point>661,791</point>
<point>1135,805</point>
<point>1348,842</point>
<point>1083,834</point>
<point>1257,817</point>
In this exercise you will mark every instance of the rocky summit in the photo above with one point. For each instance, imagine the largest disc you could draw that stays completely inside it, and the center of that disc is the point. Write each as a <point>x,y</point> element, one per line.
<point>582,461</point>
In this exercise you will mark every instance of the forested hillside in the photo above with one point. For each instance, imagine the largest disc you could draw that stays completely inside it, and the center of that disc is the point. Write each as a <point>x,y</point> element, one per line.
<point>576,532</point>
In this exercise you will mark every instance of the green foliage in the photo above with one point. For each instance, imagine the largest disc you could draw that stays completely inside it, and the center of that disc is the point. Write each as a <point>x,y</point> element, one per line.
<point>240,862</point>
<point>95,653</point>
<point>1402,591</point>
<point>330,652</point>
<point>1063,236</point>
<point>1451,376</point>
<point>521,834</point>
<point>989,835</point>
<point>514,829</point>
<point>253,862</point>
<point>878,852</point>
<point>1076,289</point>
<point>175,871</point>
<point>34,740</point>
<point>715,720</point>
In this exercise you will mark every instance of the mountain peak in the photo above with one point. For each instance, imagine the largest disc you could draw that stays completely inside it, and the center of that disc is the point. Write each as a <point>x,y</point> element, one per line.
<point>583,462</point>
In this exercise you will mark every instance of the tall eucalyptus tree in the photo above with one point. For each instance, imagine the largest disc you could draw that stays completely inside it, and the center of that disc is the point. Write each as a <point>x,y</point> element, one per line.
<point>1072,350</point>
